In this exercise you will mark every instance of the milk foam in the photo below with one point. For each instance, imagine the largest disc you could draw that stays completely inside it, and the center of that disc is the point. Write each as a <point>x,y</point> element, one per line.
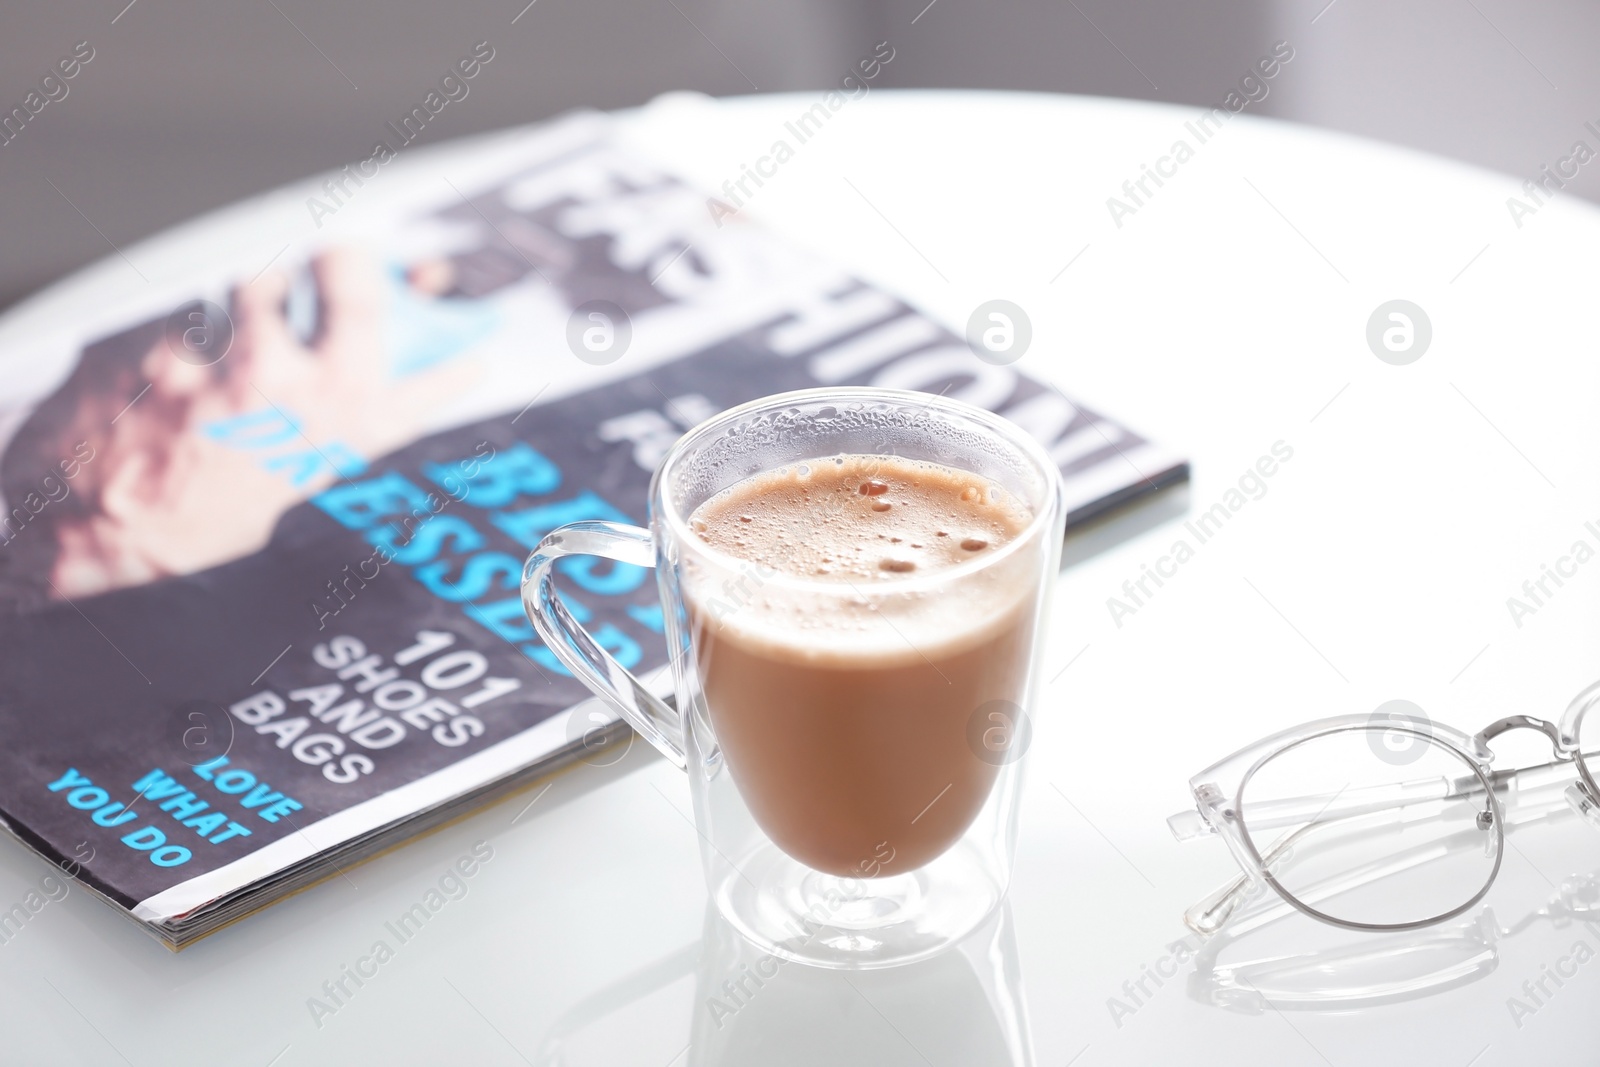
<point>860,529</point>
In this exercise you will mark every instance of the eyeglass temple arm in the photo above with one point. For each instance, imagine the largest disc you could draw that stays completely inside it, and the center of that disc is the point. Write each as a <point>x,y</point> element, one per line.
<point>1212,912</point>
<point>1519,782</point>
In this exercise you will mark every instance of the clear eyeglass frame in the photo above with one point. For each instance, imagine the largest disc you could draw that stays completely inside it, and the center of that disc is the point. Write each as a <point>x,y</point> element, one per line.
<point>1219,793</point>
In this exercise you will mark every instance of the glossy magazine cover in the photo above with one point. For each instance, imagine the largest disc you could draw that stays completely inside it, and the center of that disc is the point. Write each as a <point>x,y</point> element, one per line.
<point>263,526</point>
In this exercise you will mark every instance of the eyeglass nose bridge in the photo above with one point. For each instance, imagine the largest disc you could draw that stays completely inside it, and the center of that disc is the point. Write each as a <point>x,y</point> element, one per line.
<point>1524,722</point>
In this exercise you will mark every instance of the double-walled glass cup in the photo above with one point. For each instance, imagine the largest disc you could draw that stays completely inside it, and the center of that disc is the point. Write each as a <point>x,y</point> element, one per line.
<point>853,745</point>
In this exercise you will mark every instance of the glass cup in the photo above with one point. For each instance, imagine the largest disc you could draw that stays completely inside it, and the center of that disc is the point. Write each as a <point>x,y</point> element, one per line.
<point>853,746</point>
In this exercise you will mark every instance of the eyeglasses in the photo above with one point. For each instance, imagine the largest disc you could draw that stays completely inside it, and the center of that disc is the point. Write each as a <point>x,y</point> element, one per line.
<point>1382,822</point>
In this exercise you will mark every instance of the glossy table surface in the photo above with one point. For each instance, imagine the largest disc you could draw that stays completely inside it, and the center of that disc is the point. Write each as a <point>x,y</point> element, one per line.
<point>1226,315</point>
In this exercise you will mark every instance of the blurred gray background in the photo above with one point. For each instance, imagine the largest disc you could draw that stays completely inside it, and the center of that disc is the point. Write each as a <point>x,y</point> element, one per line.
<point>188,105</point>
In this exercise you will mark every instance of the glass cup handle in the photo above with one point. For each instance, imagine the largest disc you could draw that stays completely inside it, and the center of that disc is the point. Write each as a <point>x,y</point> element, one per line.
<point>576,649</point>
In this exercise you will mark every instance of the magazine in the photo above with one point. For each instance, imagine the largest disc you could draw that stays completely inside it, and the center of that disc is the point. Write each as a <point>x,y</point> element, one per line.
<point>261,536</point>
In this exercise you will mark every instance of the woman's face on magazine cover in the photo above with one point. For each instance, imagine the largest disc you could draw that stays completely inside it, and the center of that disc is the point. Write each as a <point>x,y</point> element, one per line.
<point>198,469</point>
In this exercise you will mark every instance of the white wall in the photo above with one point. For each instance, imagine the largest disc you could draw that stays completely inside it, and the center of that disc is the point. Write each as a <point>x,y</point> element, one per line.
<point>189,104</point>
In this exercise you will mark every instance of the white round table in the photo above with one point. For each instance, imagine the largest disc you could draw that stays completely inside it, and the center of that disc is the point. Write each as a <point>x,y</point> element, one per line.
<point>1226,316</point>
